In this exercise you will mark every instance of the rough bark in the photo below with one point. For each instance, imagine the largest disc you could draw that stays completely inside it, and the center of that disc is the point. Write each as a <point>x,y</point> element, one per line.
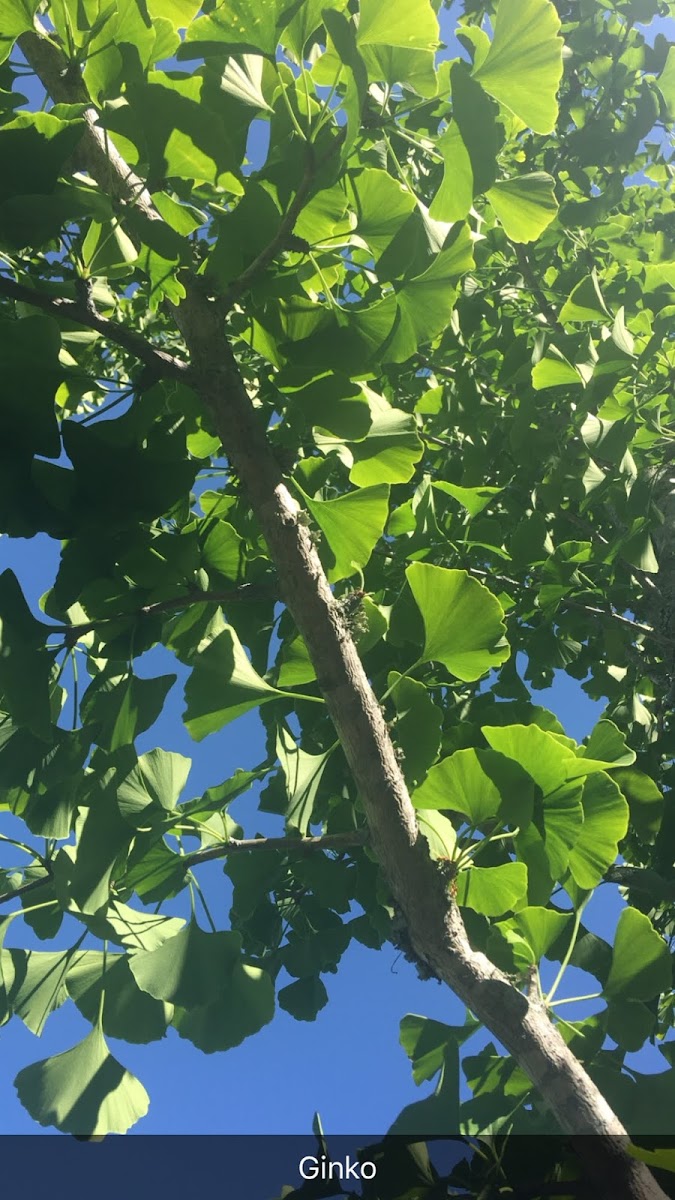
<point>434,924</point>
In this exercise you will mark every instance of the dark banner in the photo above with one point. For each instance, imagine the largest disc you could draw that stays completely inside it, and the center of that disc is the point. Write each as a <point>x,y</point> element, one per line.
<point>302,1168</point>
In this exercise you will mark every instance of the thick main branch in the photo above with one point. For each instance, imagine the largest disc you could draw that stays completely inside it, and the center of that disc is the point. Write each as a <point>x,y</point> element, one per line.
<point>433,920</point>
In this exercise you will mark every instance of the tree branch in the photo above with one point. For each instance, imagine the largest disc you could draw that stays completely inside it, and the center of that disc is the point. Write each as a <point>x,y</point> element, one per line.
<point>162,364</point>
<point>279,241</point>
<point>434,921</point>
<point>305,845</point>
<point>72,633</point>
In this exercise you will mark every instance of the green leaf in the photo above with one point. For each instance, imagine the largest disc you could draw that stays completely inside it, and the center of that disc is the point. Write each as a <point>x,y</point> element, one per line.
<point>492,890</point>
<point>27,419</point>
<point>294,664</point>
<point>332,401</point>
<point>666,83</point>
<point>352,525</point>
<point>34,146</point>
<point>304,998</point>
<point>223,685</point>
<point>546,843</point>
<point>629,1024</point>
<point>103,838</point>
<point>154,871</point>
<point>640,960</point>
<point>426,1042</point>
<point>390,449</point>
<point>382,207</point>
<point>608,744</point>
<point>638,550</point>
<point>107,250</point>
<point>306,21</point>
<point>346,64</point>
<point>398,42</point>
<point>237,24</point>
<point>122,706</point>
<point>435,1114</point>
<point>302,772</point>
<point>242,1009</point>
<point>39,984</point>
<point>16,17</point>
<point>474,500</point>
<point>84,1091</point>
<point>417,727</point>
<point>432,1047</point>
<point>531,932</point>
<point>585,302</point>
<point>439,832</point>
<point>605,825</point>
<point>540,753</point>
<point>426,302</point>
<point>244,80</point>
<point>138,930</point>
<point>525,205</point>
<point>6,965</point>
<point>523,67</point>
<point>555,370</point>
<point>222,551</point>
<point>153,786</point>
<point>645,800</point>
<point>128,1013</point>
<point>25,665</point>
<point>190,969</point>
<point>463,622</point>
<point>173,138</point>
<point>179,12</point>
<point>473,782</point>
<point>469,148</point>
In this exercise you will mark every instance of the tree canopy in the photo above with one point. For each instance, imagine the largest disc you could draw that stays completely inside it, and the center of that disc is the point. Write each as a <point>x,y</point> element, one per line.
<point>341,369</point>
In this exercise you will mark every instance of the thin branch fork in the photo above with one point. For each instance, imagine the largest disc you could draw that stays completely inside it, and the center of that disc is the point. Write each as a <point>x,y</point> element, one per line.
<point>434,921</point>
<point>158,361</point>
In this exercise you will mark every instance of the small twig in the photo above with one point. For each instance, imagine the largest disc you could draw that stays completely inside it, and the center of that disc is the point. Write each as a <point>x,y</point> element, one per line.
<point>426,363</point>
<point>437,441</point>
<point>83,312</point>
<point>635,626</point>
<point>306,845</point>
<point>71,633</point>
<point>281,238</point>
<point>24,889</point>
<point>278,243</point>
<point>537,291</point>
<point>642,879</point>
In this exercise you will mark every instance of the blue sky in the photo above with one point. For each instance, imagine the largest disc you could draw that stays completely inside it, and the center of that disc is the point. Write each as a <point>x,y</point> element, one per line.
<point>347,1064</point>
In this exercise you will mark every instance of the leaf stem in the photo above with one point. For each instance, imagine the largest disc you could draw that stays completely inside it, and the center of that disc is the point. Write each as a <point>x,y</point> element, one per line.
<point>325,107</point>
<point>574,999</point>
<point>101,1002</point>
<point>570,949</point>
<point>404,675</point>
<point>200,893</point>
<point>294,120</point>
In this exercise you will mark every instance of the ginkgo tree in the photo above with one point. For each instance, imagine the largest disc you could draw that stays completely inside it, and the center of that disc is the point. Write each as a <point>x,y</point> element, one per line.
<point>369,438</point>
